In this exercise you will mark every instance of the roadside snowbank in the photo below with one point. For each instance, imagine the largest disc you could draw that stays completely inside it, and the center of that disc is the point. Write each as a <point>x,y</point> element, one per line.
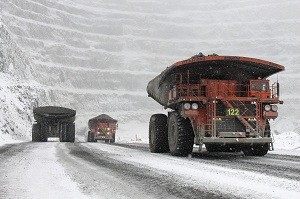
<point>287,140</point>
<point>7,139</point>
<point>132,131</point>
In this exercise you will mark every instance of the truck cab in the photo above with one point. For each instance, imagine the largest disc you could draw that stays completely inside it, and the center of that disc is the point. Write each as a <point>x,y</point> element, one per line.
<point>259,88</point>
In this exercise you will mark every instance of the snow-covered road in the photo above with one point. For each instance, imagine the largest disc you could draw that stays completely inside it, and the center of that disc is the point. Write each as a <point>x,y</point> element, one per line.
<point>98,170</point>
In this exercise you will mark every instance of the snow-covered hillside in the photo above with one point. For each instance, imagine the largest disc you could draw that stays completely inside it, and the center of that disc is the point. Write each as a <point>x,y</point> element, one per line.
<point>16,93</point>
<point>97,56</point>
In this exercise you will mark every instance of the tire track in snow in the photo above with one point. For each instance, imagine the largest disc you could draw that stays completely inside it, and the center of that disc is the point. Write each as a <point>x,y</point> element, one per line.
<point>154,184</point>
<point>31,170</point>
<point>284,166</point>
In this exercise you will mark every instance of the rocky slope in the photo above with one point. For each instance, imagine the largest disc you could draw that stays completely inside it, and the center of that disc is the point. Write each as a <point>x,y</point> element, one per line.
<point>97,56</point>
<point>17,90</point>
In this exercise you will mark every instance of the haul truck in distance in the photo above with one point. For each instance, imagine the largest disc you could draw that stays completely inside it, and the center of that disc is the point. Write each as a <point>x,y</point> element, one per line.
<point>102,127</point>
<point>223,102</point>
<point>53,121</point>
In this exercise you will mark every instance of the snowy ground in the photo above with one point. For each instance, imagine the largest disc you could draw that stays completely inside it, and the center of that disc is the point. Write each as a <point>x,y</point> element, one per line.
<point>250,185</point>
<point>98,170</point>
<point>36,174</point>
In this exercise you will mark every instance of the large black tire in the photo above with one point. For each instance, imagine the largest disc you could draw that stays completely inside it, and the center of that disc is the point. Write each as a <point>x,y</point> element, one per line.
<point>90,137</point>
<point>44,132</point>
<point>71,132</point>
<point>180,135</point>
<point>36,136</point>
<point>158,134</point>
<point>63,135</point>
<point>260,149</point>
<point>113,140</point>
<point>248,151</point>
<point>256,150</point>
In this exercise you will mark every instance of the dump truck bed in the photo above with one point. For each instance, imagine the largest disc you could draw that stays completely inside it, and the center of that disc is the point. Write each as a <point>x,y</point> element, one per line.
<point>237,68</point>
<point>54,113</point>
<point>100,118</point>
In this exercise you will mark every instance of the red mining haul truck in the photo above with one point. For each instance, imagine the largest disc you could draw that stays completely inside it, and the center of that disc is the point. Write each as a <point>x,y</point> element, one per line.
<point>102,127</point>
<point>224,102</point>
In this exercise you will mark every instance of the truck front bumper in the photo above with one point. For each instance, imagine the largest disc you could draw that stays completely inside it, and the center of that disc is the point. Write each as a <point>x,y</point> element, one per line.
<point>216,140</point>
<point>103,137</point>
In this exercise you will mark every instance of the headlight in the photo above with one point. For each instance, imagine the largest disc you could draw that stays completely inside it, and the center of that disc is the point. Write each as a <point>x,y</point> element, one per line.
<point>267,107</point>
<point>195,106</point>
<point>274,107</point>
<point>187,106</point>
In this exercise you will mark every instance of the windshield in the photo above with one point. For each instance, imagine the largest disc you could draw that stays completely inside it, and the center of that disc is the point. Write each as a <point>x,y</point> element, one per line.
<point>259,86</point>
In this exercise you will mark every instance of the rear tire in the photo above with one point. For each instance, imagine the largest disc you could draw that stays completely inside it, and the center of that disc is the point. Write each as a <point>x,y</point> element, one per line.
<point>158,134</point>
<point>44,132</point>
<point>90,137</point>
<point>180,135</point>
<point>36,128</point>
<point>71,132</point>
<point>63,135</point>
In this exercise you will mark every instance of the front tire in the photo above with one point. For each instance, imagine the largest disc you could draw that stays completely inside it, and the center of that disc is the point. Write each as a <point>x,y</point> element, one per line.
<point>256,150</point>
<point>113,140</point>
<point>261,150</point>
<point>158,134</point>
<point>180,135</point>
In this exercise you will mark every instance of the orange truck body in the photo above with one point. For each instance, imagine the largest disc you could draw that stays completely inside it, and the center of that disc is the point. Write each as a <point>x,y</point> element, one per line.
<point>227,100</point>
